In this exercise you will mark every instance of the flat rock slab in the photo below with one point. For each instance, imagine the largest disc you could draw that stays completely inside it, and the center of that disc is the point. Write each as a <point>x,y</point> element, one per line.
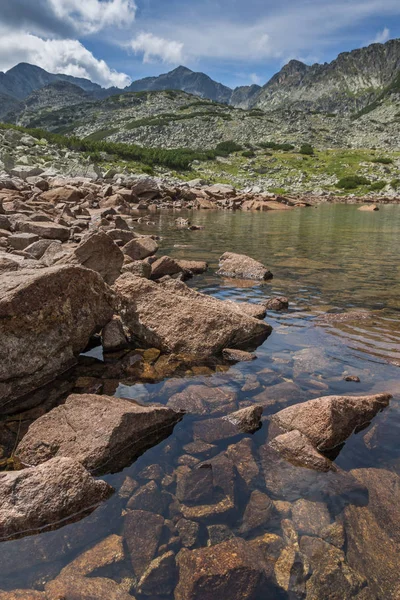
<point>103,433</point>
<point>46,230</point>
<point>243,267</point>
<point>46,319</point>
<point>329,421</point>
<point>45,497</point>
<point>174,318</point>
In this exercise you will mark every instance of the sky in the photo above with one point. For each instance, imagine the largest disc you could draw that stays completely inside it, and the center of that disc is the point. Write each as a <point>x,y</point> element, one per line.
<point>236,42</point>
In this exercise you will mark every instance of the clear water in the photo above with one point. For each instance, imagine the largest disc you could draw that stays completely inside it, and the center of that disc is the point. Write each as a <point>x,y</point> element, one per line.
<point>326,259</point>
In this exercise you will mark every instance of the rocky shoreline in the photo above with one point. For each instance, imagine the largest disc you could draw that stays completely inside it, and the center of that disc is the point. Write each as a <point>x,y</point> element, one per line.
<point>74,272</point>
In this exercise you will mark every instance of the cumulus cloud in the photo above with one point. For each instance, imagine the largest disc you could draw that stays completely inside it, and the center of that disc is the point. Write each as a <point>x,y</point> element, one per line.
<point>382,36</point>
<point>261,31</point>
<point>93,15</point>
<point>156,48</point>
<point>66,17</point>
<point>58,56</point>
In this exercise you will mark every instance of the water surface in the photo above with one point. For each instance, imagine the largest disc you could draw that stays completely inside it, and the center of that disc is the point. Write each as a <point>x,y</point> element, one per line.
<point>325,260</point>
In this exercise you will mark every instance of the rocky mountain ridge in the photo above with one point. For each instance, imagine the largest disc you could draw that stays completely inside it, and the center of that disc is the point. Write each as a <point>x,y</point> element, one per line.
<point>346,85</point>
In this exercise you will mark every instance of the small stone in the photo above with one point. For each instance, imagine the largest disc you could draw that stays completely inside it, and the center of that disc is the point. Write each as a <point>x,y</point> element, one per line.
<point>188,532</point>
<point>258,512</point>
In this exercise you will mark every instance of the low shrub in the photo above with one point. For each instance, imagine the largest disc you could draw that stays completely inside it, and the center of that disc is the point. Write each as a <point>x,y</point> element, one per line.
<point>274,146</point>
<point>377,186</point>
<point>248,154</point>
<point>383,160</point>
<point>395,183</point>
<point>351,182</point>
<point>306,149</point>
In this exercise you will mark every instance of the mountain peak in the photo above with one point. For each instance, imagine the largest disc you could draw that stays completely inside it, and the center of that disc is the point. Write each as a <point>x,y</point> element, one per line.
<point>181,70</point>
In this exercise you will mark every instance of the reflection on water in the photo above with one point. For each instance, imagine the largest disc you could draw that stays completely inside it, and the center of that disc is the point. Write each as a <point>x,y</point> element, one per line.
<point>322,538</point>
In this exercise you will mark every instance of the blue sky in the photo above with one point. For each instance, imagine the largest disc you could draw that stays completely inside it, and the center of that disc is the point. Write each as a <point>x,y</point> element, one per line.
<point>237,42</point>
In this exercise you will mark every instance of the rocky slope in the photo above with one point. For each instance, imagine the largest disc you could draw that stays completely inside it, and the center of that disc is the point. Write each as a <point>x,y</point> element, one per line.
<point>174,119</point>
<point>54,96</point>
<point>347,84</point>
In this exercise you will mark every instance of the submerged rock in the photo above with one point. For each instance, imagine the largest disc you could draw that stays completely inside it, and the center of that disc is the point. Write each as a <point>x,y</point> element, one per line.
<point>174,318</point>
<point>85,588</point>
<point>103,433</point>
<point>327,422</point>
<point>258,512</point>
<point>243,267</point>
<point>159,577</point>
<point>373,534</point>
<point>109,551</point>
<point>46,319</point>
<point>297,449</point>
<point>46,496</point>
<point>234,570</point>
<point>142,534</point>
<point>331,576</point>
<point>245,420</point>
<point>203,400</point>
<point>233,355</point>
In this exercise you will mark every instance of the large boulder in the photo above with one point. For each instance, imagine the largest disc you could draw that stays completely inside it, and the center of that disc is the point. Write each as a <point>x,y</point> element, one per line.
<point>47,317</point>
<point>140,248</point>
<point>99,253</point>
<point>45,497</point>
<point>328,422</point>
<point>242,267</point>
<point>174,318</point>
<point>62,194</point>
<point>103,433</point>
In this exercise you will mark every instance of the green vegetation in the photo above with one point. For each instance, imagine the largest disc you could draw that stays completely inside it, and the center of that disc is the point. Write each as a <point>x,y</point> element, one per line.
<point>167,118</point>
<point>97,136</point>
<point>351,182</point>
<point>179,158</point>
<point>306,149</point>
<point>383,160</point>
<point>228,147</point>
<point>395,183</point>
<point>377,186</point>
<point>275,146</point>
<point>249,154</point>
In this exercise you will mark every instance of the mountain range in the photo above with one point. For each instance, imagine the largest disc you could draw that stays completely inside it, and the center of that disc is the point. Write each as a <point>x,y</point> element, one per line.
<point>346,85</point>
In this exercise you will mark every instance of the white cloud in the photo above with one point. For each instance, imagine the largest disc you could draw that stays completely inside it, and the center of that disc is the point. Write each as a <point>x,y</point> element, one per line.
<point>382,36</point>
<point>91,16</point>
<point>58,56</point>
<point>255,79</point>
<point>290,28</point>
<point>157,48</point>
